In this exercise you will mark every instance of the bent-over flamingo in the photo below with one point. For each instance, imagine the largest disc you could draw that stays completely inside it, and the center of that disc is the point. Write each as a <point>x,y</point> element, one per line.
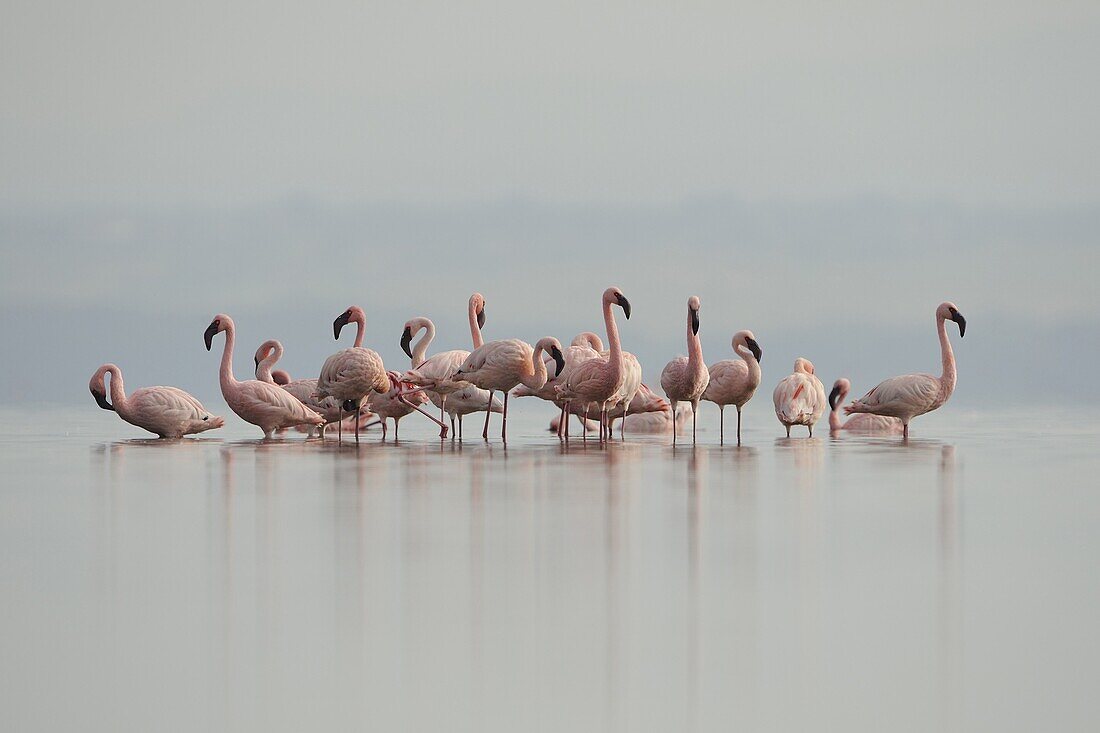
<point>165,411</point>
<point>860,422</point>
<point>303,390</point>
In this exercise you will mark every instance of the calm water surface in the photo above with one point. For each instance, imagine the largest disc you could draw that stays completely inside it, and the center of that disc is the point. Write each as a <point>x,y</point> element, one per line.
<point>224,583</point>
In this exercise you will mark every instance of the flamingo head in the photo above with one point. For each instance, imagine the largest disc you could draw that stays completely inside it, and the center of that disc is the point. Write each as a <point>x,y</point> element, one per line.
<point>477,305</point>
<point>99,389</point>
<point>745,339</point>
<point>265,350</point>
<point>693,313</point>
<point>220,323</point>
<point>948,312</point>
<point>353,314</point>
<point>840,389</point>
<point>280,377</point>
<point>614,295</point>
<point>803,366</point>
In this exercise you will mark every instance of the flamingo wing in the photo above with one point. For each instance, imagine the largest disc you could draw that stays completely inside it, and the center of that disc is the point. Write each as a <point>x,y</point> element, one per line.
<point>797,398</point>
<point>272,405</point>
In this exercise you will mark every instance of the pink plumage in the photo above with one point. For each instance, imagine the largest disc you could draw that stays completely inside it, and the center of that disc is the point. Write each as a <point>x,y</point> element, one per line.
<point>800,397</point>
<point>261,403</point>
<point>734,381</point>
<point>165,411</point>
<point>915,394</point>
<point>685,378</point>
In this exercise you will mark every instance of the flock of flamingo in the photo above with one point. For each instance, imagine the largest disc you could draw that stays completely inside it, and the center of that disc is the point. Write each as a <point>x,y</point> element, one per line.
<point>355,390</point>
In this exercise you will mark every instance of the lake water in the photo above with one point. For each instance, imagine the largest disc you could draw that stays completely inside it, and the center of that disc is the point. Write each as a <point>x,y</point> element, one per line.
<point>225,583</point>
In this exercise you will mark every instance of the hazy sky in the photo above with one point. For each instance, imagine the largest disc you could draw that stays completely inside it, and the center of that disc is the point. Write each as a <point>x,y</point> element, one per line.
<point>222,103</point>
<point>824,174</point>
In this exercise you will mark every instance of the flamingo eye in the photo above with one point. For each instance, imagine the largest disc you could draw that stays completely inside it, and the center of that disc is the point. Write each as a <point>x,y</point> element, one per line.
<point>205,418</point>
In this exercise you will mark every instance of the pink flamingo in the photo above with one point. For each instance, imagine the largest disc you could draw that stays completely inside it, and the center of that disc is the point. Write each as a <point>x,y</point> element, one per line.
<point>165,411</point>
<point>584,346</point>
<point>915,394</point>
<point>685,378</point>
<point>398,401</point>
<point>501,365</point>
<point>434,373</point>
<point>734,381</point>
<point>860,422</point>
<point>303,390</point>
<point>350,375</point>
<point>598,380</point>
<point>799,398</point>
<point>644,401</point>
<point>263,404</point>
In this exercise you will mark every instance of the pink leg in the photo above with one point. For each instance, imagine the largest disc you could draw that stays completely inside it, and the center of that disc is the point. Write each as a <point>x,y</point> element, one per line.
<point>442,427</point>
<point>504,422</point>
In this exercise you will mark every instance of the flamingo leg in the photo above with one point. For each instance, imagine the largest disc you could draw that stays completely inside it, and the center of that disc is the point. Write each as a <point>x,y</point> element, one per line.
<point>673,402</point>
<point>504,422</point>
<point>460,427</point>
<point>340,426</point>
<point>584,425</point>
<point>788,431</point>
<point>357,424</point>
<point>905,431</point>
<point>738,425</point>
<point>488,412</point>
<point>622,427</point>
<point>693,423</point>
<point>811,429</point>
<point>442,427</point>
<point>721,424</point>
<point>385,429</point>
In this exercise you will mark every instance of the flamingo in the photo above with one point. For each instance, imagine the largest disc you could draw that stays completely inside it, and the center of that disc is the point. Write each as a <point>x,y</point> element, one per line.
<point>501,365</point>
<point>685,378</point>
<point>350,375</point>
<point>584,346</point>
<point>860,422</point>
<point>644,401</point>
<point>434,373</point>
<point>303,390</point>
<point>622,402</point>
<point>261,403</point>
<point>168,412</point>
<point>598,380</point>
<point>799,398</point>
<point>398,401</point>
<point>915,394</point>
<point>734,381</point>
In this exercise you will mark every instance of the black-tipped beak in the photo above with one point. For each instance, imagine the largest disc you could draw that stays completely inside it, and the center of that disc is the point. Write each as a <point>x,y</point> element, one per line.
<point>958,318</point>
<point>481,318</point>
<point>624,304</point>
<point>342,320</point>
<point>694,321</point>
<point>559,359</point>
<point>101,400</point>
<point>833,396</point>
<point>406,339</point>
<point>208,334</point>
<point>754,348</point>
<point>257,360</point>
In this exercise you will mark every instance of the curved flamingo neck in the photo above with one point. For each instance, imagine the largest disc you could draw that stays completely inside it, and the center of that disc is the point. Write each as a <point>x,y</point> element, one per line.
<point>949,377</point>
<point>264,368</point>
<point>118,388</point>
<point>749,358</point>
<point>225,375</point>
<point>536,380</point>
<point>615,358</point>
<point>475,330</point>
<point>420,350</point>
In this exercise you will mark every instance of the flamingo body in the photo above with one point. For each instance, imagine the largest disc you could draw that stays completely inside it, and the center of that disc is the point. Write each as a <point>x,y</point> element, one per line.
<point>168,412</point>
